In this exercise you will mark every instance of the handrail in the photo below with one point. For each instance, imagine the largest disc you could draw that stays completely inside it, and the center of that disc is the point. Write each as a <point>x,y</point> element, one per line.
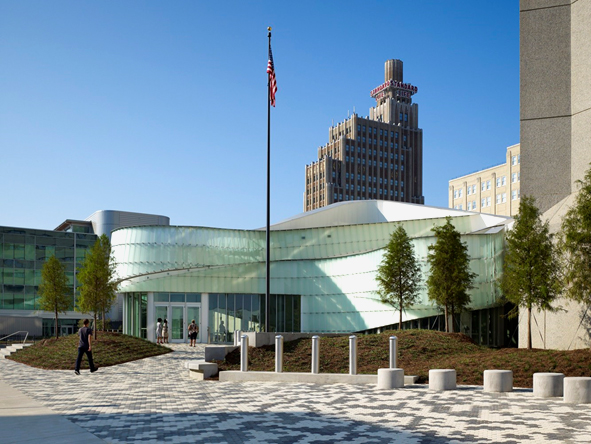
<point>15,333</point>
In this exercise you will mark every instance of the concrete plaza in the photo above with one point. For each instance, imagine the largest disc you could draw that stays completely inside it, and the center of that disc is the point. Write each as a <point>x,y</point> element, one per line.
<point>155,401</point>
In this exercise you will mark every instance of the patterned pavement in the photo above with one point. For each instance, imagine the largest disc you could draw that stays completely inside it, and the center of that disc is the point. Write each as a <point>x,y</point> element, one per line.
<point>155,401</point>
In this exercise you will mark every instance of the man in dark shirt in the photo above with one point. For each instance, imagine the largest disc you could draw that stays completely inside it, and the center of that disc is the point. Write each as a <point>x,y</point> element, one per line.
<point>85,346</point>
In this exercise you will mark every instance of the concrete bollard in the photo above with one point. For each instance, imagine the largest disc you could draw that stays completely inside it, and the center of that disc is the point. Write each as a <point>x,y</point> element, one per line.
<point>352,355</point>
<point>577,390</point>
<point>442,379</point>
<point>390,378</point>
<point>278,354</point>
<point>498,381</point>
<point>393,351</point>
<point>548,385</point>
<point>315,354</point>
<point>244,353</point>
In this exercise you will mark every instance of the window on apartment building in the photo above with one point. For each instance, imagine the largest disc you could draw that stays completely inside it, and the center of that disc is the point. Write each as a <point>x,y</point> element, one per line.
<point>488,184</point>
<point>514,195</point>
<point>396,137</point>
<point>369,130</point>
<point>405,117</point>
<point>488,201</point>
<point>363,139</point>
<point>503,180</point>
<point>513,177</point>
<point>363,128</point>
<point>498,181</point>
<point>483,202</point>
<point>363,188</point>
<point>404,138</point>
<point>483,186</point>
<point>460,192</point>
<point>514,160</point>
<point>400,117</point>
<point>375,131</point>
<point>519,158</point>
<point>455,194</point>
<point>498,198</point>
<point>504,198</point>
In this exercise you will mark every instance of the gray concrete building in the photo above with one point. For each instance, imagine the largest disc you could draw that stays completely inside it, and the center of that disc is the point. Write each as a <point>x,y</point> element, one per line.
<point>379,156</point>
<point>555,66</point>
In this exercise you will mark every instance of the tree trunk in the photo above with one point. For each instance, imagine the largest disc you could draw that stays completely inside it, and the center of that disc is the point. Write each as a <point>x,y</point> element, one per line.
<point>446,320</point>
<point>57,335</point>
<point>400,319</point>
<point>451,329</point>
<point>529,328</point>
<point>95,325</point>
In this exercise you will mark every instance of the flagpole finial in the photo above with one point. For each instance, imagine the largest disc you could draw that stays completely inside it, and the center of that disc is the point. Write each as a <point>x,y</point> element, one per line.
<point>268,28</point>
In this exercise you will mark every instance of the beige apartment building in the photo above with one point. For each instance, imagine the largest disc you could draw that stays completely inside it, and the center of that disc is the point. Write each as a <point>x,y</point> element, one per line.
<point>375,157</point>
<point>495,190</point>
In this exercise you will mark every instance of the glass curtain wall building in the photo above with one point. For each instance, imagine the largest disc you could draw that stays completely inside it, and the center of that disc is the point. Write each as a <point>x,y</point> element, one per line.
<point>323,268</point>
<point>23,254</point>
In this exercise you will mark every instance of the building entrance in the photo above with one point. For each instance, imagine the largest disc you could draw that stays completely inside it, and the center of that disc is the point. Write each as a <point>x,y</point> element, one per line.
<point>179,316</point>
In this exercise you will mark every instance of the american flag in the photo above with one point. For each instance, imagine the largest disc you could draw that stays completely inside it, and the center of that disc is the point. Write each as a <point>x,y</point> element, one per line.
<point>272,80</point>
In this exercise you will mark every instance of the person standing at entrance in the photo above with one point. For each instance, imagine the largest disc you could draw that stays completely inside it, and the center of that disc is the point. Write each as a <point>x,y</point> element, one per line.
<point>85,346</point>
<point>193,332</point>
<point>165,331</point>
<point>159,331</point>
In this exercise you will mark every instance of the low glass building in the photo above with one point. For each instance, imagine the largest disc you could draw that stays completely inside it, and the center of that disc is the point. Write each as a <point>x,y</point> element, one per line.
<point>323,269</point>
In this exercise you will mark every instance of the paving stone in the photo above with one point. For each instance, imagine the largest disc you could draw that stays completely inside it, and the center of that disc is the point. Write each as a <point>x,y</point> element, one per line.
<point>155,400</point>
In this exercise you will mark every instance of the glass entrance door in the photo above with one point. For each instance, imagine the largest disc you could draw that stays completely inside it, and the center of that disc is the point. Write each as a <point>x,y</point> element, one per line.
<point>177,326</point>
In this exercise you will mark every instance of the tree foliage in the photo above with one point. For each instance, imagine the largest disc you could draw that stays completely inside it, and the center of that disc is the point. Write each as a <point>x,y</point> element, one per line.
<point>530,268</point>
<point>575,243</point>
<point>399,274</point>
<point>54,290</point>
<point>96,279</point>
<point>450,277</point>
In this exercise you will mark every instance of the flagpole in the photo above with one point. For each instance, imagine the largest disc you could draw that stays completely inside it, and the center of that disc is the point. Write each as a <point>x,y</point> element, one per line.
<point>268,243</point>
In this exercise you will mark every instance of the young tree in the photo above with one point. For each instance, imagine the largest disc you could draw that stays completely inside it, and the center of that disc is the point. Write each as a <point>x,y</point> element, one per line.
<point>97,283</point>
<point>54,290</point>
<point>450,277</point>
<point>530,268</point>
<point>575,243</point>
<point>399,274</point>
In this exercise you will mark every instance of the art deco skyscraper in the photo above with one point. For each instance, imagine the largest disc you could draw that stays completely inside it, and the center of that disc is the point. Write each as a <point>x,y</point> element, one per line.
<point>375,157</point>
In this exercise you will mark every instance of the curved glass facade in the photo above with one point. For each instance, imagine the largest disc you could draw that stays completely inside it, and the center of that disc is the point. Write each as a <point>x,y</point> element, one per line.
<point>330,269</point>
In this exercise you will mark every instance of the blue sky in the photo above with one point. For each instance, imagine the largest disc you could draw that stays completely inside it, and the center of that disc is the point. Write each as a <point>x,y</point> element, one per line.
<point>160,107</point>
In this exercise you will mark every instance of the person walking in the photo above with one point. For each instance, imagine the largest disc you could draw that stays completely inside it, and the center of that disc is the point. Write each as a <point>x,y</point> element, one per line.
<point>159,331</point>
<point>85,346</point>
<point>165,331</point>
<point>193,332</point>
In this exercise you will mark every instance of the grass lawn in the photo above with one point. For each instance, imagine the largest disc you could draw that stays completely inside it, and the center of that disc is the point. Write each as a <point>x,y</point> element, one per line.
<point>419,351</point>
<point>109,349</point>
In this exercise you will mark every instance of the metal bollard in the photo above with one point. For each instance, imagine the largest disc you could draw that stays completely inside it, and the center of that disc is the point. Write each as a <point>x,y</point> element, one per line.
<point>393,351</point>
<point>244,353</point>
<point>315,354</point>
<point>278,354</point>
<point>353,355</point>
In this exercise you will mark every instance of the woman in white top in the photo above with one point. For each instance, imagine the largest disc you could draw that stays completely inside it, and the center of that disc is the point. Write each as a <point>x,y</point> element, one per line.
<point>159,331</point>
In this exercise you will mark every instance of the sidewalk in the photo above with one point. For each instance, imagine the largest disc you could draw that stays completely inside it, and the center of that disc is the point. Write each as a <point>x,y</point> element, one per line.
<point>154,401</point>
<point>24,420</point>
